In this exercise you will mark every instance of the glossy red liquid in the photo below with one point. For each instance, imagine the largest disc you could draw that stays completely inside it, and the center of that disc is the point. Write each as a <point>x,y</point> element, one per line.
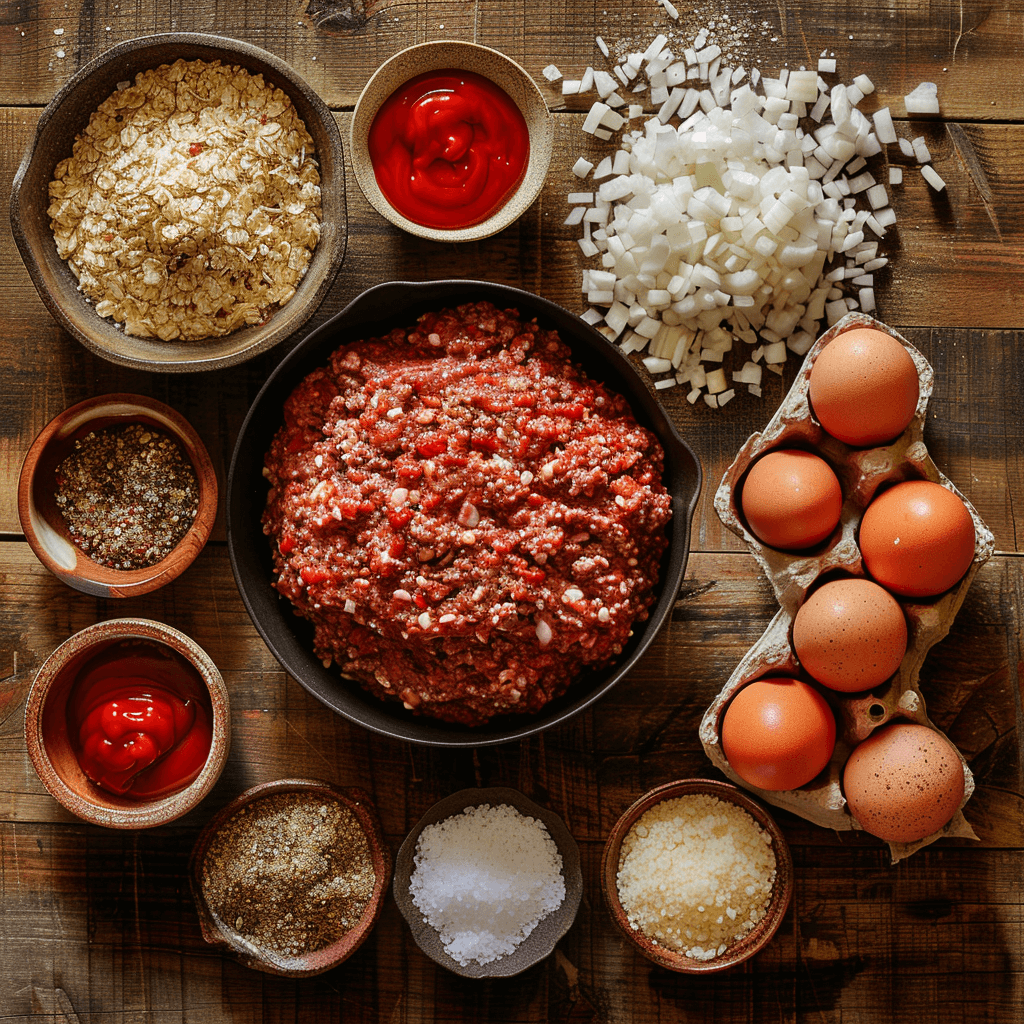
<point>140,725</point>
<point>448,148</point>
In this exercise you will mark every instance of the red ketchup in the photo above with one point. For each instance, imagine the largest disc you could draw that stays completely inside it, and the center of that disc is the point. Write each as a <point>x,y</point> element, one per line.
<point>448,148</point>
<point>140,725</point>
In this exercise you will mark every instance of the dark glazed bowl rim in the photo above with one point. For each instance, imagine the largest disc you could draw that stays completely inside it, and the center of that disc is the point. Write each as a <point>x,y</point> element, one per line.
<point>249,550</point>
<point>751,943</point>
<point>55,131</point>
<point>540,943</point>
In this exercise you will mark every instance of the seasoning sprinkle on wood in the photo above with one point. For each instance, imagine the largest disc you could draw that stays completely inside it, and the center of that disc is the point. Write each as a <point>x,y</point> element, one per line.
<point>290,873</point>
<point>128,494</point>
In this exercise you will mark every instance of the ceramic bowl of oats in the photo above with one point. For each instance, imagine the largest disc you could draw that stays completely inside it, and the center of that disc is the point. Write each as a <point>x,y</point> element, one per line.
<point>181,206</point>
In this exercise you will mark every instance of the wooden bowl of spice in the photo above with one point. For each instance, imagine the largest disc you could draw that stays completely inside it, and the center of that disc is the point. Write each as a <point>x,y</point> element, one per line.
<point>117,495</point>
<point>697,875</point>
<point>290,877</point>
<point>127,723</point>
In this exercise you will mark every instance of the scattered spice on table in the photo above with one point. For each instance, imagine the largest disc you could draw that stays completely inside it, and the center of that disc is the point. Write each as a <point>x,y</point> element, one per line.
<point>290,873</point>
<point>128,494</point>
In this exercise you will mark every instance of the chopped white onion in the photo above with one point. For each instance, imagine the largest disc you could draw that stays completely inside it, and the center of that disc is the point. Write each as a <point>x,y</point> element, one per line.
<point>724,217</point>
<point>932,177</point>
<point>923,100</point>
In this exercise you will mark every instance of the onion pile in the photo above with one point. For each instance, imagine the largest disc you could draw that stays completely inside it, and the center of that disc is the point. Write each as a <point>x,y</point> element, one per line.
<point>744,209</point>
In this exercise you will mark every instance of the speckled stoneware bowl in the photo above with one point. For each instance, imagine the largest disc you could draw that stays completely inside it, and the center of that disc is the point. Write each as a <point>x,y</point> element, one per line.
<point>540,943</point>
<point>756,939</point>
<point>68,114</point>
<point>44,526</point>
<point>290,638</point>
<point>220,934</point>
<point>50,745</point>
<point>491,64</point>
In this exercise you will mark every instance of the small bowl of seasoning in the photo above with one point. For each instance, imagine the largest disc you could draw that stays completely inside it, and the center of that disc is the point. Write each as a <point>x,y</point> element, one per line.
<point>451,141</point>
<point>117,495</point>
<point>290,877</point>
<point>697,875</point>
<point>127,723</point>
<point>488,882</point>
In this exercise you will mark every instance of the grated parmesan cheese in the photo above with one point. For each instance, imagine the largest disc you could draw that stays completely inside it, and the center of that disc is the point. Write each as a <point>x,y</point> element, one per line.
<point>696,874</point>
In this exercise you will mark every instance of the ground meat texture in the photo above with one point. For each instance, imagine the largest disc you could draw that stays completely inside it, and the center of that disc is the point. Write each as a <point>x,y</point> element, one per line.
<point>466,519</point>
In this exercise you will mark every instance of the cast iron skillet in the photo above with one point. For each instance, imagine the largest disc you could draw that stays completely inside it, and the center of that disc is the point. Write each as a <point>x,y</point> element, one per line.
<point>290,638</point>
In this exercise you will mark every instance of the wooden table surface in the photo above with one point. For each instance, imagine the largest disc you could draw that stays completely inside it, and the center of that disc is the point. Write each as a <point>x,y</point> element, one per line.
<point>99,926</point>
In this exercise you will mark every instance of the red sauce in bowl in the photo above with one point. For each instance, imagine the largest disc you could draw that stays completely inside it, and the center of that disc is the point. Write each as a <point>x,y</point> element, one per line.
<point>140,724</point>
<point>448,148</point>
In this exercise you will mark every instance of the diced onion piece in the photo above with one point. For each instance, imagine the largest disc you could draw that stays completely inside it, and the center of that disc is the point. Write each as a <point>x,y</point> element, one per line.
<point>932,177</point>
<point>923,100</point>
<point>551,73</point>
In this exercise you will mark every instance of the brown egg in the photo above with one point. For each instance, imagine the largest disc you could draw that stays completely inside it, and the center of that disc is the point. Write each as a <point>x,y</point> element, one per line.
<point>904,782</point>
<point>917,538</point>
<point>864,387</point>
<point>850,635</point>
<point>778,733</point>
<point>791,499</point>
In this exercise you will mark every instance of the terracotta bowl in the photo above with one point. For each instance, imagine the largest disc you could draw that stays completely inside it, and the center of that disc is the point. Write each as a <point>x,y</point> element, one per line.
<point>221,934</point>
<point>503,72</point>
<point>540,943</point>
<point>290,639</point>
<point>47,731</point>
<point>68,114</point>
<point>44,526</point>
<point>756,939</point>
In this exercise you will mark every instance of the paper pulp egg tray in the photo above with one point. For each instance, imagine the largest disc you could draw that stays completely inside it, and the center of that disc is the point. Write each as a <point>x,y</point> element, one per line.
<point>861,473</point>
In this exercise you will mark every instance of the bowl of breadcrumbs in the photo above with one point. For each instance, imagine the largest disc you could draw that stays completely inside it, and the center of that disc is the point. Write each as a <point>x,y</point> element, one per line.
<point>697,875</point>
<point>182,204</point>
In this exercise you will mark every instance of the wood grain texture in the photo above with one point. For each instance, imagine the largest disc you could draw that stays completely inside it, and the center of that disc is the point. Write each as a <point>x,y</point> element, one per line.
<point>976,342</point>
<point>98,926</point>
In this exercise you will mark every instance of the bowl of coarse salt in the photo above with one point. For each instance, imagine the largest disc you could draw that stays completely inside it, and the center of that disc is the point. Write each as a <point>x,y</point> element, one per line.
<point>697,875</point>
<point>488,882</point>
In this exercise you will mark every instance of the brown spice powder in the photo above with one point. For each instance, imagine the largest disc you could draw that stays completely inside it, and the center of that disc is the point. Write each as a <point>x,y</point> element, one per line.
<point>128,494</point>
<point>290,873</point>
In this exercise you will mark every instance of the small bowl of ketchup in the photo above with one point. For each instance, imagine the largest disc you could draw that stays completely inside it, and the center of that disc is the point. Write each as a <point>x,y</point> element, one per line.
<point>451,141</point>
<point>127,723</point>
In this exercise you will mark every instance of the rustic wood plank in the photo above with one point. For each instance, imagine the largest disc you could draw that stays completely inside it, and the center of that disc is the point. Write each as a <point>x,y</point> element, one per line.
<point>976,426</point>
<point>642,734</point>
<point>974,50</point>
<point>98,926</point>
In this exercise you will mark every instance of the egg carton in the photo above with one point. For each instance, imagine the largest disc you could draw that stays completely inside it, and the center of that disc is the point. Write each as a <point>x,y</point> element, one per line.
<point>861,473</point>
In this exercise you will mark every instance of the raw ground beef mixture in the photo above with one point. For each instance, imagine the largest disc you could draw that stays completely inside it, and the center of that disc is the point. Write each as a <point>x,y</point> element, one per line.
<point>466,519</point>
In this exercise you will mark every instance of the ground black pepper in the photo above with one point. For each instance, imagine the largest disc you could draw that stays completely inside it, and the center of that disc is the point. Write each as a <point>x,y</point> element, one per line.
<point>128,494</point>
<point>291,873</point>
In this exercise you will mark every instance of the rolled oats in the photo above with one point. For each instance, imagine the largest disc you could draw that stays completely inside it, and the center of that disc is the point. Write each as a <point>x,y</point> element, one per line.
<point>190,205</point>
